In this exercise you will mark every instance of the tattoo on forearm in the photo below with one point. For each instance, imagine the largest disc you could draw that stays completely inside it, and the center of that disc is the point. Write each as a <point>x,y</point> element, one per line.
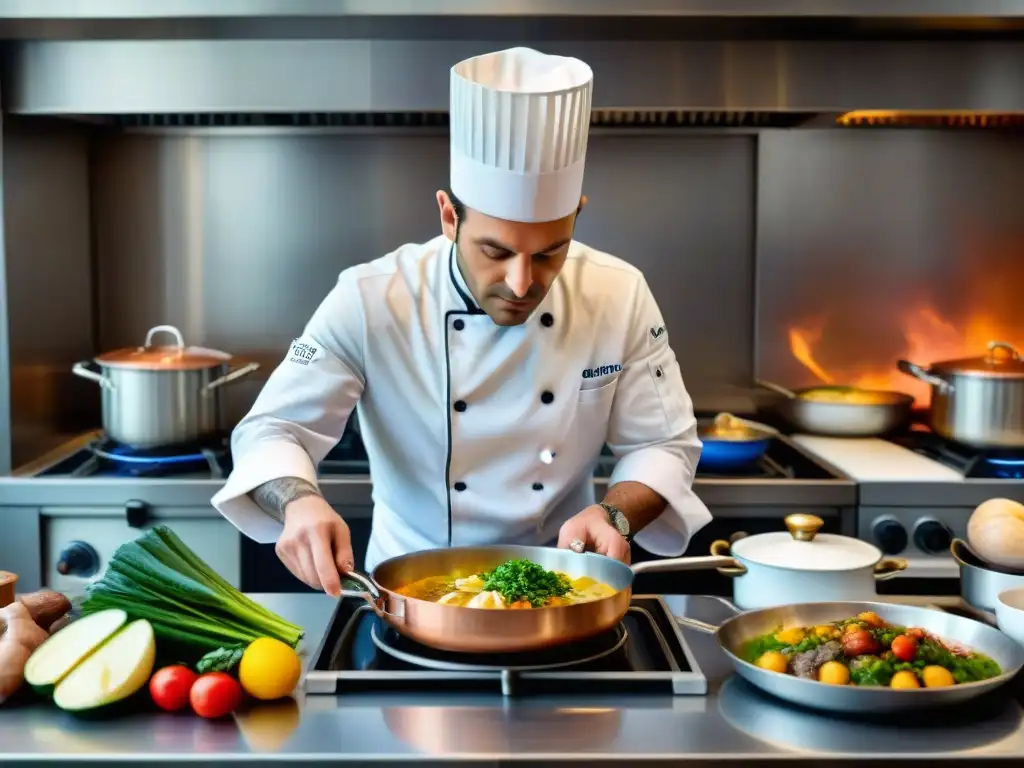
<point>274,495</point>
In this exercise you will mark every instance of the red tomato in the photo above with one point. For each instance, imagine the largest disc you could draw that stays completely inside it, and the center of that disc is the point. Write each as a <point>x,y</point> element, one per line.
<point>860,642</point>
<point>904,648</point>
<point>215,694</point>
<point>170,687</point>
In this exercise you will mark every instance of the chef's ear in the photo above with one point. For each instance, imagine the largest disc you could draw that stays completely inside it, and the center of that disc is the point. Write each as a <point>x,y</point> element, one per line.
<point>449,215</point>
<point>579,209</point>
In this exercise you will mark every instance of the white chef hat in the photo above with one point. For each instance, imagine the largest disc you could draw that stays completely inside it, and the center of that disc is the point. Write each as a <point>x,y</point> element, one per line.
<point>519,126</point>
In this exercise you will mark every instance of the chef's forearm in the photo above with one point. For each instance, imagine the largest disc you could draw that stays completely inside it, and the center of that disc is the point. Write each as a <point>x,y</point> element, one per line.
<point>274,496</point>
<point>637,502</point>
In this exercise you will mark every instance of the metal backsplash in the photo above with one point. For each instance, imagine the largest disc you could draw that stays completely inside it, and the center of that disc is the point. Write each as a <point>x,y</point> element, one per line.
<point>236,239</point>
<point>97,78</point>
<point>874,246</point>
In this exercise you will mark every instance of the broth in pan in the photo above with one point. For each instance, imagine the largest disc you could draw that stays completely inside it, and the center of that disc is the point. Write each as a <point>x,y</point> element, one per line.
<point>515,584</point>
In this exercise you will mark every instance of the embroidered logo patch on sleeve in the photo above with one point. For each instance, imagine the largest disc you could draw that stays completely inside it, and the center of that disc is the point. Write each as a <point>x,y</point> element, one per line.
<point>304,353</point>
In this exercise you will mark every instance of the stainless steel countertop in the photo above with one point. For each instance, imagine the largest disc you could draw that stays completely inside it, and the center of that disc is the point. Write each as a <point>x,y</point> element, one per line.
<point>733,724</point>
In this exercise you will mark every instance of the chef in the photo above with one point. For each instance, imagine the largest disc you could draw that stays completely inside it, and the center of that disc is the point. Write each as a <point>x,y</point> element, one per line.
<point>488,366</point>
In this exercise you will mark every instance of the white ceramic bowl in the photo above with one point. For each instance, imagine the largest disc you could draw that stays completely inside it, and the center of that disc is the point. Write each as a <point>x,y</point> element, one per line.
<point>1010,613</point>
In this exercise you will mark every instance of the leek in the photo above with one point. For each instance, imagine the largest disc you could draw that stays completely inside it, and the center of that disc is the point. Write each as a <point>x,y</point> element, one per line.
<point>158,578</point>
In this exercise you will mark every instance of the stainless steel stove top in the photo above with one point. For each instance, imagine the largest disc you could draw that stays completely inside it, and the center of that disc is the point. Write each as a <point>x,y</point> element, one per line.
<point>647,653</point>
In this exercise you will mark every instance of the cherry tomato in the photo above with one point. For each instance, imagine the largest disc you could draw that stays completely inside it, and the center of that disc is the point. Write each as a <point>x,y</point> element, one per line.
<point>170,687</point>
<point>215,694</point>
<point>917,634</point>
<point>860,642</point>
<point>904,647</point>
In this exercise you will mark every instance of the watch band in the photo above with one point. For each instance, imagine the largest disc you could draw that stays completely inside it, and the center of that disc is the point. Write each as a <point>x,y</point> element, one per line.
<point>618,520</point>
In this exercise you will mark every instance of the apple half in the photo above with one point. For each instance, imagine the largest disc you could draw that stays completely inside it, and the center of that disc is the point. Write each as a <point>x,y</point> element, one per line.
<point>65,649</point>
<point>116,670</point>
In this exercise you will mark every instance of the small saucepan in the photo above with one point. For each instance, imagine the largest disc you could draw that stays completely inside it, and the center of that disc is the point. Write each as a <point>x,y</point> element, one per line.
<point>803,566</point>
<point>731,443</point>
<point>843,411</point>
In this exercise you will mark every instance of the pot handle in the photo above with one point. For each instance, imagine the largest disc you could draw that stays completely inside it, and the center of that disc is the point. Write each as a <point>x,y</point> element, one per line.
<point>164,329</point>
<point>674,564</point>
<point>890,567</point>
<point>370,594</point>
<point>911,369</point>
<point>722,548</point>
<point>227,378</point>
<point>82,369</point>
<point>1006,347</point>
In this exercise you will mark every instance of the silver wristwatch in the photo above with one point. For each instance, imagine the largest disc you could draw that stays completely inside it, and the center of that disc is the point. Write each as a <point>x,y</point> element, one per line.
<point>618,520</point>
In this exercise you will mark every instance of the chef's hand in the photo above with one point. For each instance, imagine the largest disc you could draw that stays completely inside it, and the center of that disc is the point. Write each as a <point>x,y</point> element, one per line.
<point>316,544</point>
<point>591,526</point>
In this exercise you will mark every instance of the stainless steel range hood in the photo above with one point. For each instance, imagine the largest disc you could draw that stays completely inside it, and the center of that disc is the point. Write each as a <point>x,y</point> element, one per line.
<point>709,62</point>
<point>420,19</point>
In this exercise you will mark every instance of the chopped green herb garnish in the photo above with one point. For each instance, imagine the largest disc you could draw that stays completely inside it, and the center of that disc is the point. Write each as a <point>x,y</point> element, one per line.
<point>517,580</point>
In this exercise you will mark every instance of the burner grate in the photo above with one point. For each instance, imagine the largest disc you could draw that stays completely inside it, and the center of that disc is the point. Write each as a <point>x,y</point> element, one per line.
<point>646,654</point>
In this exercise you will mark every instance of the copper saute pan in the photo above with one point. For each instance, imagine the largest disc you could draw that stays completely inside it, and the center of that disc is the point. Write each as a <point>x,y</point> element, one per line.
<point>480,630</point>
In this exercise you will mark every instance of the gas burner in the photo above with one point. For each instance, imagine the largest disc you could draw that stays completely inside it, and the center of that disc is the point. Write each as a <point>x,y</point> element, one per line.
<point>145,462</point>
<point>583,652</point>
<point>971,462</point>
<point>646,653</point>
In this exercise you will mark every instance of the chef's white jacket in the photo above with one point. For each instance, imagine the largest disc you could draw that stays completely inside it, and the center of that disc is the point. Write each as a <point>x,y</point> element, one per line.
<point>477,433</point>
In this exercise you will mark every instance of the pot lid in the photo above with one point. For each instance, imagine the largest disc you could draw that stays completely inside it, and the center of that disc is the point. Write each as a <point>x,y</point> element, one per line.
<point>152,357</point>
<point>802,548</point>
<point>1001,360</point>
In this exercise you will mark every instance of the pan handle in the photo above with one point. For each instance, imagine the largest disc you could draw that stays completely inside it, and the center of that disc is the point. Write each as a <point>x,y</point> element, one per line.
<point>700,626</point>
<point>674,564</point>
<point>370,594</point>
<point>776,388</point>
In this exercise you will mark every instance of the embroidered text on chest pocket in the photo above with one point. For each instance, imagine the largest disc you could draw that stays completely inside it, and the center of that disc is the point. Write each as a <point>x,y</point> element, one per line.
<point>593,409</point>
<point>666,380</point>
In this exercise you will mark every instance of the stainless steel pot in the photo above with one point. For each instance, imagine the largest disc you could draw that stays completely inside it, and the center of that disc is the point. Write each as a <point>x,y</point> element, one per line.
<point>156,396</point>
<point>978,402</point>
<point>979,584</point>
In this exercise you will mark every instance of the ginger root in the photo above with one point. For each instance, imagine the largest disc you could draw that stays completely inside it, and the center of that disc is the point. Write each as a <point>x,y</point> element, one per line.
<point>19,638</point>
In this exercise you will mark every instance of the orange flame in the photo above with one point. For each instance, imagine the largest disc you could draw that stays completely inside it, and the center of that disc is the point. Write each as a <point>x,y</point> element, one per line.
<point>929,338</point>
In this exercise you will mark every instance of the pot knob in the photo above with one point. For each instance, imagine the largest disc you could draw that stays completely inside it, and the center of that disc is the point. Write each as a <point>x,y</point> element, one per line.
<point>78,559</point>
<point>932,536</point>
<point>803,527</point>
<point>890,535</point>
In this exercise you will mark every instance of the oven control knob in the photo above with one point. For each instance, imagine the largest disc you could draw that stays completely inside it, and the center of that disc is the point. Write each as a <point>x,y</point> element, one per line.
<point>932,536</point>
<point>890,535</point>
<point>78,559</point>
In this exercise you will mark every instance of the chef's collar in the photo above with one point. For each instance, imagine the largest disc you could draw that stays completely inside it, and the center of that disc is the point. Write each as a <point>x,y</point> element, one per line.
<point>459,283</point>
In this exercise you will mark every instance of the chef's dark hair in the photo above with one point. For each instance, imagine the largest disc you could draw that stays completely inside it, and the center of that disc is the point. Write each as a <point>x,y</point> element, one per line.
<point>460,208</point>
<point>460,212</point>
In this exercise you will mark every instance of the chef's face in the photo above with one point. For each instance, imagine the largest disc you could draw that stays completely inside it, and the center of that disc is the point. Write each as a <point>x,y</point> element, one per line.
<point>509,266</point>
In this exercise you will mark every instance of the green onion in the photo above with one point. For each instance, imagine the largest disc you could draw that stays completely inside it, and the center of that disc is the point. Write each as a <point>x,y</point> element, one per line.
<point>157,577</point>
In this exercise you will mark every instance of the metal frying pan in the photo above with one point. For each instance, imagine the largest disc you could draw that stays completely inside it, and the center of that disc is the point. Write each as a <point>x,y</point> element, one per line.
<point>730,442</point>
<point>876,413</point>
<point>867,699</point>
<point>479,630</point>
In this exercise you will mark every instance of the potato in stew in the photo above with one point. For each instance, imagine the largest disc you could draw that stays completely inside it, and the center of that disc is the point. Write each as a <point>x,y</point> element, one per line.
<point>866,650</point>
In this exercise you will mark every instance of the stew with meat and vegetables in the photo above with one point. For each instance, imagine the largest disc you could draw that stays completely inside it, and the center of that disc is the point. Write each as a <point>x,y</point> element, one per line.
<point>866,650</point>
<point>514,584</point>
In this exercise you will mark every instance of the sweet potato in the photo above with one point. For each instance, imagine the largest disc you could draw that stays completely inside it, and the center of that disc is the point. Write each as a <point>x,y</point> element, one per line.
<point>19,638</point>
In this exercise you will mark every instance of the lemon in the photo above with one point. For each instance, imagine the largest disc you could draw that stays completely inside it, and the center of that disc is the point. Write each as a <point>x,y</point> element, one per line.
<point>269,669</point>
